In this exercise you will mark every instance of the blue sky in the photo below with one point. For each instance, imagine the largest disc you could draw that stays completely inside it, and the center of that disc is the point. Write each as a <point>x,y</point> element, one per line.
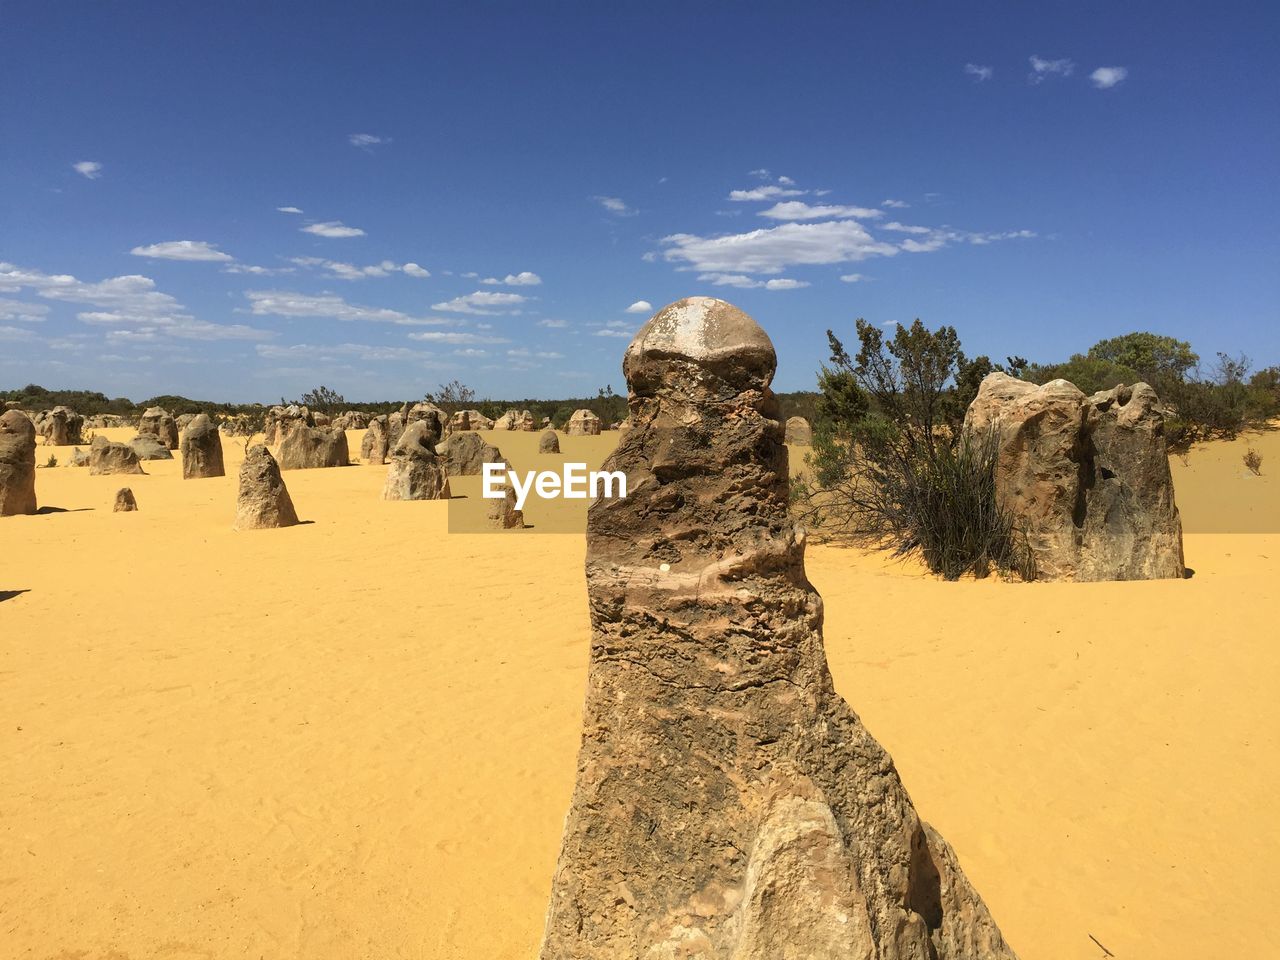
<point>239,201</point>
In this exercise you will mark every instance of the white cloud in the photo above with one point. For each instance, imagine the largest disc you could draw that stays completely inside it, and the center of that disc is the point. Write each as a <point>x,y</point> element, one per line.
<point>764,193</point>
<point>744,282</point>
<point>127,300</point>
<point>538,354</point>
<point>553,324</point>
<point>615,205</point>
<point>853,277</point>
<point>775,249</point>
<point>640,306</point>
<point>286,303</point>
<point>895,204</point>
<point>799,210</point>
<point>613,332</point>
<point>1042,68</point>
<point>288,209</point>
<point>454,337</point>
<point>786,181</point>
<point>15,333</point>
<point>1104,78</point>
<point>413,270</point>
<point>254,270</point>
<point>760,174</point>
<point>485,302</point>
<point>349,271</point>
<point>924,246</point>
<point>23,312</point>
<point>366,141</point>
<point>332,229</point>
<point>339,351</point>
<point>897,227</point>
<point>192,250</point>
<point>979,73</point>
<point>524,278</point>
<point>90,169</point>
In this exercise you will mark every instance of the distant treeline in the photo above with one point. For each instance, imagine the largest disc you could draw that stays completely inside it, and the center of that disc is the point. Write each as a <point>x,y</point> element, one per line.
<point>607,405</point>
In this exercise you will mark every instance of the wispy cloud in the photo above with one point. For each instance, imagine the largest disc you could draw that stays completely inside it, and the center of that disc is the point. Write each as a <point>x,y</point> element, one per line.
<point>744,282</point>
<point>128,301</point>
<point>1104,78</point>
<point>895,204</point>
<point>366,141</point>
<point>770,192</point>
<point>22,312</point>
<point>289,209</point>
<point>799,210</point>
<point>332,229</point>
<point>616,205</point>
<point>978,72</point>
<point>90,169</point>
<point>192,250</point>
<point>640,306</point>
<point>897,227</point>
<point>288,303</point>
<point>485,302</point>
<point>339,351</point>
<point>775,249</point>
<point>524,278</point>
<point>553,324</point>
<point>349,271</point>
<point>455,337</point>
<point>852,277</point>
<point>1042,68</point>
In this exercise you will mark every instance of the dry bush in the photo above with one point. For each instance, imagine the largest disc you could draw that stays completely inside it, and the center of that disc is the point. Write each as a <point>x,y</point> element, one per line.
<point>1253,460</point>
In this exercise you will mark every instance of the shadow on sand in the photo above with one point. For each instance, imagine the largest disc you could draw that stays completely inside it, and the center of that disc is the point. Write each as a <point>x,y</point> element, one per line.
<point>10,594</point>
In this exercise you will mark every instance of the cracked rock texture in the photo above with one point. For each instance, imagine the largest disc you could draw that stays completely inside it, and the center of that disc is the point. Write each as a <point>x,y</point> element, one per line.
<point>1087,478</point>
<point>729,804</point>
<point>417,472</point>
<point>262,501</point>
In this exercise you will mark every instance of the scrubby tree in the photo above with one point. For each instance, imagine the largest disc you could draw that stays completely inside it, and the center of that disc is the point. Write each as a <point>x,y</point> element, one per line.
<point>452,396</point>
<point>324,399</point>
<point>1154,357</point>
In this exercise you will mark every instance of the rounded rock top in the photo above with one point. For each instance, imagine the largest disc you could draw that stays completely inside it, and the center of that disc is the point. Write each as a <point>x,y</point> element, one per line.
<point>709,332</point>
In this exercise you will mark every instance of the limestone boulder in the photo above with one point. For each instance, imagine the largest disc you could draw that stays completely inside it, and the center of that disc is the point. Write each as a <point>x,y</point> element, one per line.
<point>1086,479</point>
<point>107,456</point>
<point>181,422</point>
<point>79,458</point>
<point>469,420</point>
<point>262,500</point>
<point>352,420</point>
<point>549,442</point>
<point>515,420</point>
<point>17,464</point>
<point>583,423</point>
<point>466,454</point>
<point>157,422</point>
<point>502,512</point>
<point>321,419</point>
<point>799,432</point>
<point>125,501</point>
<point>201,450</point>
<point>309,448</point>
<point>62,427</point>
<point>148,446</point>
<point>374,444</point>
<point>280,421</point>
<point>417,472</point>
<point>729,804</point>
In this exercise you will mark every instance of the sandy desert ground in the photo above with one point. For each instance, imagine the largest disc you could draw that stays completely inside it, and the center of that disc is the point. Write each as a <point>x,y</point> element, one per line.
<point>356,738</point>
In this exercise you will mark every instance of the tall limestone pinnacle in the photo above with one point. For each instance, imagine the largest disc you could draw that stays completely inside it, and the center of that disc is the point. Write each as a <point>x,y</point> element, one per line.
<point>729,804</point>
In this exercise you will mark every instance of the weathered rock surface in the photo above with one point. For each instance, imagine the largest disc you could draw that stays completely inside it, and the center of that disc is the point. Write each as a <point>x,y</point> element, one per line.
<point>351,420</point>
<point>125,501</point>
<point>469,420</point>
<point>374,444</point>
<point>503,513</point>
<point>280,421</point>
<point>308,448</point>
<point>107,456</point>
<point>417,472</point>
<point>157,422</point>
<point>466,454</point>
<point>79,458</point>
<point>263,500</point>
<point>201,450</point>
<point>729,804</point>
<point>583,423</point>
<point>17,464</point>
<point>799,432</point>
<point>1086,478</point>
<point>515,420</point>
<point>181,421</point>
<point>549,442</point>
<point>321,419</point>
<point>148,446</point>
<point>62,427</point>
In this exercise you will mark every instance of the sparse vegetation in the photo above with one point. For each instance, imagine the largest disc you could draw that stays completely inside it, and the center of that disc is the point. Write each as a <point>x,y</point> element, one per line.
<point>52,461</point>
<point>1253,460</point>
<point>891,466</point>
<point>323,400</point>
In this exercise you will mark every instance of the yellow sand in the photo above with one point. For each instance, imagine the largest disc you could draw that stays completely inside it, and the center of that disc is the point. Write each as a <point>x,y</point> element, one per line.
<point>356,738</point>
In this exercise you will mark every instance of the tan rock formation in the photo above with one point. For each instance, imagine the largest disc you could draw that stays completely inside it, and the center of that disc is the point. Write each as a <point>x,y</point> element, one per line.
<point>62,427</point>
<point>281,420</point>
<point>515,420</point>
<point>148,446</point>
<point>201,450</point>
<point>309,448</point>
<point>729,804</point>
<point>583,423</point>
<point>374,444</point>
<point>107,456</point>
<point>262,501</point>
<point>466,454</point>
<point>549,442</point>
<point>125,501</point>
<point>469,420</point>
<point>157,422</point>
<point>799,432</point>
<point>17,464</point>
<point>1087,478</point>
<point>417,472</point>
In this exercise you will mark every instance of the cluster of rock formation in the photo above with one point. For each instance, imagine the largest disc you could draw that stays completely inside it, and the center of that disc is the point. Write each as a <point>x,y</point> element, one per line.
<point>157,422</point>
<point>280,421</point>
<point>60,427</point>
<point>729,804</point>
<point>469,420</point>
<point>1086,478</point>
<point>583,423</point>
<point>515,420</point>
<point>17,464</point>
<point>307,448</point>
<point>262,500</point>
<point>107,456</point>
